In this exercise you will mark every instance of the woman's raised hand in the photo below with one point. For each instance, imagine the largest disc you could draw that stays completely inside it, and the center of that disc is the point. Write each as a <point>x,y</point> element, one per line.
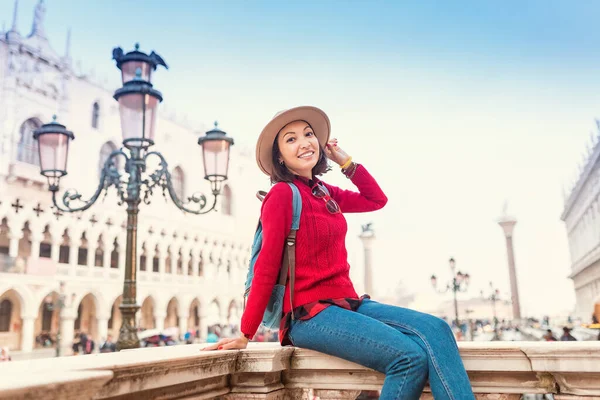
<point>335,153</point>
<point>229,344</point>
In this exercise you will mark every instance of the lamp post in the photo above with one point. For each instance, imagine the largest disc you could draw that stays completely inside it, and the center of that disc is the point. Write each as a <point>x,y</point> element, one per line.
<point>138,104</point>
<point>58,305</point>
<point>367,236</point>
<point>494,297</point>
<point>459,283</point>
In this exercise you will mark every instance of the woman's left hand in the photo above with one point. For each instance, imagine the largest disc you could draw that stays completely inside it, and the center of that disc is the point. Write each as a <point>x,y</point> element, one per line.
<point>335,153</point>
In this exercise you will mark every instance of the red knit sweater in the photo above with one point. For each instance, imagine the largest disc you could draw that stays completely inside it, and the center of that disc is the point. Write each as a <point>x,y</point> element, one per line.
<point>322,270</point>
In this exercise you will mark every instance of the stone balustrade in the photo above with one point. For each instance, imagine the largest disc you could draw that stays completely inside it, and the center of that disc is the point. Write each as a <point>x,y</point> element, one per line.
<point>498,370</point>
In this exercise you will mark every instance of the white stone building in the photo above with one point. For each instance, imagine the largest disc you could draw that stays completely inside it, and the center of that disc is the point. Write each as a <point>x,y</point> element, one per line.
<point>582,219</point>
<point>190,268</point>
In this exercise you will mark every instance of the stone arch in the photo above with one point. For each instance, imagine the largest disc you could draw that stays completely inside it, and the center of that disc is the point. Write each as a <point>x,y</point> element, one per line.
<point>46,243</point>
<point>143,257</point>
<point>46,324</point>
<point>27,148</point>
<point>82,251</point>
<point>24,248</point>
<point>194,314</point>
<point>100,249</point>
<point>178,180</point>
<point>64,250</point>
<point>172,318</point>
<point>156,259</point>
<point>168,260</point>
<point>179,262</point>
<point>4,239</point>
<point>233,313</point>
<point>105,151</point>
<point>11,309</point>
<point>190,263</point>
<point>87,311</point>
<point>96,110</point>
<point>147,319</point>
<point>115,249</point>
<point>114,322</point>
<point>213,313</point>
<point>227,201</point>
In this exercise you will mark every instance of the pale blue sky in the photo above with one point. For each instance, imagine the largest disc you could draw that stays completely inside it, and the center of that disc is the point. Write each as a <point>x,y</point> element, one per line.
<point>454,107</point>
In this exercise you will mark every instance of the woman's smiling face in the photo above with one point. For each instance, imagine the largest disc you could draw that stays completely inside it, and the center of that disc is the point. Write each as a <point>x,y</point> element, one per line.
<point>299,148</point>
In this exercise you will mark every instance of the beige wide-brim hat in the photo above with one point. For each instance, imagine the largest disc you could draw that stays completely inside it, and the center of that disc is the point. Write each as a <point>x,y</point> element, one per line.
<point>315,117</point>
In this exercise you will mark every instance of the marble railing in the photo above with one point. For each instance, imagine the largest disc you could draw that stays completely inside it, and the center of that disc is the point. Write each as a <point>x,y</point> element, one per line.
<point>498,370</point>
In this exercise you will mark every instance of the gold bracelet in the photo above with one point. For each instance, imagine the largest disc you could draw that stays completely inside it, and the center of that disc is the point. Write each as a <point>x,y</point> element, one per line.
<point>347,163</point>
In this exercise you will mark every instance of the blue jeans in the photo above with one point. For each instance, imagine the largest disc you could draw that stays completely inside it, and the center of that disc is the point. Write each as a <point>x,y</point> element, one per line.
<point>406,345</point>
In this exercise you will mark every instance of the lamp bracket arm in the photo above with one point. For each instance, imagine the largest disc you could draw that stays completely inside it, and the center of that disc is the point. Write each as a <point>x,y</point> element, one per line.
<point>110,176</point>
<point>162,178</point>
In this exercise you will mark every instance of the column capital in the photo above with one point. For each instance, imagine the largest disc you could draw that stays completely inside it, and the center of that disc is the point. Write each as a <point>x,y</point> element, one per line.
<point>508,225</point>
<point>15,235</point>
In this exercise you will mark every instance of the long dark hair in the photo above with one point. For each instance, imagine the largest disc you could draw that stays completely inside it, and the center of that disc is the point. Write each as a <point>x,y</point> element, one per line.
<point>281,173</point>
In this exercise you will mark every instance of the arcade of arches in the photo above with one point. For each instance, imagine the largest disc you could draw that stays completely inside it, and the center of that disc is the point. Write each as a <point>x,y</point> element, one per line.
<point>21,332</point>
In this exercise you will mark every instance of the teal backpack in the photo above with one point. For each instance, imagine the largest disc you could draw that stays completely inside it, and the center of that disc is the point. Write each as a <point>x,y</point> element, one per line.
<point>274,312</point>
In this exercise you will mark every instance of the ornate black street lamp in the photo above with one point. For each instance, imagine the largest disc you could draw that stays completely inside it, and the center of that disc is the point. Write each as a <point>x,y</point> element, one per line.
<point>459,283</point>
<point>494,297</point>
<point>138,104</point>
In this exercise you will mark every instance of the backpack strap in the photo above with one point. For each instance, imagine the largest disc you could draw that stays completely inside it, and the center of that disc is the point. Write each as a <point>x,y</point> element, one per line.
<point>289,257</point>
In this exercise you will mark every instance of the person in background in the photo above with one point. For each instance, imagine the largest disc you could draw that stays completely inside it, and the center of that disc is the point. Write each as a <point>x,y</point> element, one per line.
<point>212,336</point>
<point>549,337</point>
<point>566,336</point>
<point>76,344</point>
<point>108,346</point>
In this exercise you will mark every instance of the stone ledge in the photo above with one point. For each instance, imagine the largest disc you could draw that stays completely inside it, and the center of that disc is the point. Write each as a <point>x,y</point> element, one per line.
<point>498,370</point>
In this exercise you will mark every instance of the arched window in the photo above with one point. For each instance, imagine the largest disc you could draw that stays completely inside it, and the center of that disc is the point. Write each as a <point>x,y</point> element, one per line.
<point>114,255</point>
<point>95,115</point>
<point>105,151</point>
<point>78,319</point>
<point>177,178</point>
<point>27,150</point>
<point>226,205</point>
<point>5,315</point>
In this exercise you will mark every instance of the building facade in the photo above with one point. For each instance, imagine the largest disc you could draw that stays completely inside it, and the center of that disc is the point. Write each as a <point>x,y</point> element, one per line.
<point>582,220</point>
<point>191,268</point>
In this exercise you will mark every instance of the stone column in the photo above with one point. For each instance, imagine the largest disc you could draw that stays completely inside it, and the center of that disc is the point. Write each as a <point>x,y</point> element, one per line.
<point>202,327</point>
<point>74,252</point>
<point>106,257</point>
<point>67,332</point>
<point>159,318</point>
<point>27,334</point>
<point>194,259</point>
<point>183,323</point>
<point>13,245</point>
<point>185,259</point>
<point>162,260</point>
<point>173,260</point>
<point>36,239</point>
<point>508,224</point>
<point>55,251</point>
<point>91,257</point>
<point>103,330</point>
<point>367,236</point>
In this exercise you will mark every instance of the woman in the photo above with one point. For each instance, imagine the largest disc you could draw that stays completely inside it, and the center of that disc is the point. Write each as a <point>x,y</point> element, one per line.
<point>327,315</point>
